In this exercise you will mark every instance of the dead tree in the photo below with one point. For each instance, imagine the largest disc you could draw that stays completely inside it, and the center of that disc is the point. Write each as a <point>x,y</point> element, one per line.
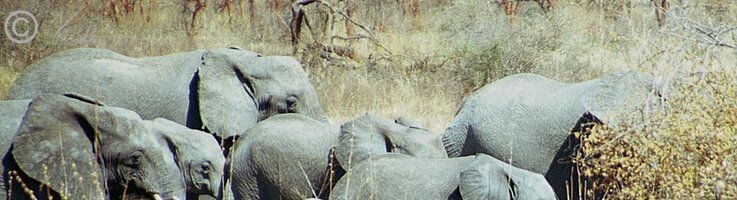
<point>298,17</point>
<point>193,8</point>
<point>661,6</point>
<point>349,9</point>
<point>115,8</point>
<point>511,7</point>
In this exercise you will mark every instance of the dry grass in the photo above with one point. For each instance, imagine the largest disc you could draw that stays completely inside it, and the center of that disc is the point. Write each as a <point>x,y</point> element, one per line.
<point>448,49</point>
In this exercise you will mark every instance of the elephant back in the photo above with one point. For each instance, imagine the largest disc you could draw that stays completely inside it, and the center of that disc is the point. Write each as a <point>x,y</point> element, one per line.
<point>299,145</point>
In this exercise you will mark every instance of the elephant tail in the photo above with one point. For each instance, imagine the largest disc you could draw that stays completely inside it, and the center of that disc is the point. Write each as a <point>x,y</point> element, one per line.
<point>454,139</point>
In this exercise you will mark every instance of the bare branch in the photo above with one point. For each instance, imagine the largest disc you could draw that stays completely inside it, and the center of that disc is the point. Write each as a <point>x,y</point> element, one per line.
<point>711,34</point>
<point>356,37</point>
<point>333,9</point>
<point>305,2</point>
<point>347,17</point>
<point>714,36</point>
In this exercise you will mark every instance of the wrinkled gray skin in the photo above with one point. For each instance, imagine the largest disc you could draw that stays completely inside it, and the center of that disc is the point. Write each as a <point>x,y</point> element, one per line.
<point>398,176</point>
<point>524,119</point>
<point>394,161</point>
<point>84,151</point>
<point>198,156</point>
<point>11,116</point>
<point>284,157</point>
<point>371,135</point>
<point>224,91</point>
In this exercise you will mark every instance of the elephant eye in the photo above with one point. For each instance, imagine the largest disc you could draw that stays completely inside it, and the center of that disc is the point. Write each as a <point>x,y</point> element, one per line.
<point>205,168</point>
<point>134,160</point>
<point>291,103</point>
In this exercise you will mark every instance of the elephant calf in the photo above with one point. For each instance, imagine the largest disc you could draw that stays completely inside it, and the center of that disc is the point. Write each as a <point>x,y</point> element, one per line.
<point>398,176</point>
<point>385,160</point>
<point>286,156</point>
<point>81,150</point>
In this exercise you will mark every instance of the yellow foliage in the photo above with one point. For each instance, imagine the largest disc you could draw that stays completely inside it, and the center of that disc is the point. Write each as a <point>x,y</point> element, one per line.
<point>688,151</point>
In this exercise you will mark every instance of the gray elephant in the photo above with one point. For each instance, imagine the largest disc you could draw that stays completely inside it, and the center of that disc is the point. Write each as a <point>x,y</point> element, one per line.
<point>395,162</point>
<point>11,116</point>
<point>525,119</point>
<point>370,135</point>
<point>223,91</point>
<point>198,156</point>
<point>195,155</point>
<point>72,148</point>
<point>286,156</point>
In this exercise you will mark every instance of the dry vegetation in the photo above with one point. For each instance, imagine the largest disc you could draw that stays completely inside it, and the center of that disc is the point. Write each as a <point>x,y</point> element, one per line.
<point>425,57</point>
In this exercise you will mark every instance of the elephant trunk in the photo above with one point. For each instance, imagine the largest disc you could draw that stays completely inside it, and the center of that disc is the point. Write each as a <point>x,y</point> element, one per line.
<point>314,110</point>
<point>273,104</point>
<point>174,191</point>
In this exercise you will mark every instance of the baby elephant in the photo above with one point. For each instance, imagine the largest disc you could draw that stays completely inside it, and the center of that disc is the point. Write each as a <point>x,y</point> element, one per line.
<point>71,146</point>
<point>384,160</point>
<point>398,176</point>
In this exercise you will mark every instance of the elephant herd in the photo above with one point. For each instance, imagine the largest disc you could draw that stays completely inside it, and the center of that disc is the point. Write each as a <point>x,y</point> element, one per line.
<point>229,123</point>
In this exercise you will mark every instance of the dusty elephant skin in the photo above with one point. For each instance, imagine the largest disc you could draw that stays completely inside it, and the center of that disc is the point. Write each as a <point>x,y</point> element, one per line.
<point>525,119</point>
<point>11,116</point>
<point>385,160</point>
<point>224,91</point>
<point>399,176</point>
<point>74,148</point>
<point>284,157</point>
<point>194,156</point>
<point>197,154</point>
<point>370,135</point>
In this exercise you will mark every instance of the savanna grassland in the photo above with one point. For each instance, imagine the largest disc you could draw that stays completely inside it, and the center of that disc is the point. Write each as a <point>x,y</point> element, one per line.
<point>420,58</point>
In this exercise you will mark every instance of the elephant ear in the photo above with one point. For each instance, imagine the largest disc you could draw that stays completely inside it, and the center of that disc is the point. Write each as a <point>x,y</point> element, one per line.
<point>483,179</point>
<point>225,96</point>
<point>359,140</point>
<point>54,146</point>
<point>371,135</point>
<point>405,121</point>
<point>619,95</point>
<point>489,178</point>
<point>195,151</point>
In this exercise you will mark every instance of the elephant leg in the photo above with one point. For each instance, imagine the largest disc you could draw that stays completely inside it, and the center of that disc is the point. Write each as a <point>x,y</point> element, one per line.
<point>246,187</point>
<point>244,181</point>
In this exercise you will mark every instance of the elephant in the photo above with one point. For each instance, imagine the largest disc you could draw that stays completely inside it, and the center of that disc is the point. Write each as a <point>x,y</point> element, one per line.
<point>525,119</point>
<point>287,156</point>
<point>395,162</point>
<point>399,176</point>
<point>291,156</point>
<point>196,154</point>
<point>11,117</point>
<point>370,135</point>
<point>74,148</point>
<point>223,91</point>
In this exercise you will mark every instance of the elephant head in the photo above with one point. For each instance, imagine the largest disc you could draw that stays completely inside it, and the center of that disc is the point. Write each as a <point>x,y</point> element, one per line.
<point>81,150</point>
<point>243,87</point>
<point>618,93</point>
<point>371,135</point>
<point>197,154</point>
<point>489,178</point>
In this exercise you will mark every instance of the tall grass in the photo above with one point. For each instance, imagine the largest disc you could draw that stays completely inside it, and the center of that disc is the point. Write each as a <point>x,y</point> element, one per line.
<point>422,64</point>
